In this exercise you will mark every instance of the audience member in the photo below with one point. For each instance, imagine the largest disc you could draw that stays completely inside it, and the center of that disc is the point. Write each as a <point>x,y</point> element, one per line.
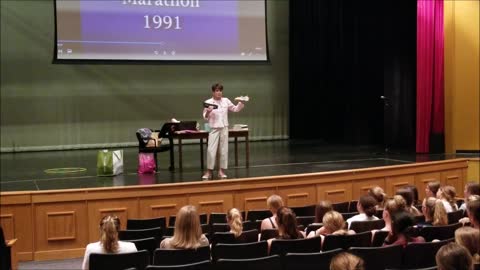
<point>320,209</point>
<point>274,202</point>
<point>287,226</point>
<point>234,219</point>
<point>414,191</point>
<point>366,208</point>
<point>469,238</point>
<point>434,212</point>
<point>109,227</point>
<point>333,223</point>
<point>470,189</point>
<point>379,195</point>
<point>452,256</point>
<point>402,230</point>
<point>408,195</point>
<point>346,261</point>
<point>188,233</point>
<point>447,195</point>
<point>432,188</point>
<point>473,211</point>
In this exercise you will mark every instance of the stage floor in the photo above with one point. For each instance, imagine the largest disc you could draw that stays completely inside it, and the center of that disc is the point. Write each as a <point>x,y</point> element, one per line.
<point>26,171</point>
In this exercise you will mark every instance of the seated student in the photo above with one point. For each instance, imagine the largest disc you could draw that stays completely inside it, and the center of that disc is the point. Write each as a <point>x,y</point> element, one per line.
<point>234,219</point>
<point>188,233</point>
<point>392,206</point>
<point>320,209</point>
<point>346,261</point>
<point>401,234</point>
<point>109,226</point>
<point>379,195</point>
<point>274,202</point>
<point>414,191</point>
<point>434,212</point>
<point>366,208</point>
<point>452,256</point>
<point>469,238</point>
<point>407,194</point>
<point>470,189</point>
<point>287,226</point>
<point>333,223</point>
<point>447,195</point>
<point>473,211</point>
<point>432,188</point>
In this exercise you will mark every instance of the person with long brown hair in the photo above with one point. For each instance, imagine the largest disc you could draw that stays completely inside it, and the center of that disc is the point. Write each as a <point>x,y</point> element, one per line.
<point>109,227</point>
<point>234,219</point>
<point>366,208</point>
<point>447,195</point>
<point>402,230</point>
<point>346,261</point>
<point>287,226</point>
<point>469,238</point>
<point>188,233</point>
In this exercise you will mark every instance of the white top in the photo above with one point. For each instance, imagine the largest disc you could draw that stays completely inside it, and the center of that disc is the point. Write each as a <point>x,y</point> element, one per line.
<point>123,247</point>
<point>448,206</point>
<point>218,118</point>
<point>360,217</point>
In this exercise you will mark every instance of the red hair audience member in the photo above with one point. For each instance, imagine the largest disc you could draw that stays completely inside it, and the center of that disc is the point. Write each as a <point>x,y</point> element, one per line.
<point>346,261</point>
<point>452,256</point>
<point>109,227</point>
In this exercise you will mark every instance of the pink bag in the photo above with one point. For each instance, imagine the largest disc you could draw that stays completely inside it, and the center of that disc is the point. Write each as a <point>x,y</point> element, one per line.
<point>146,163</point>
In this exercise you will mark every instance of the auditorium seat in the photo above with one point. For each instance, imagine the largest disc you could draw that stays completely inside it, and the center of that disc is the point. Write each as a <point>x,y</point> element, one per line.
<point>217,218</point>
<point>240,251</point>
<point>268,234</point>
<point>352,206</point>
<point>254,215</point>
<point>341,207</point>
<point>141,234</point>
<point>222,237</point>
<point>252,225</point>
<point>455,216</point>
<point>345,242</point>
<point>181,256</point>
<point>148,244</point>
<point>305,220</point>
<point>348,215</point>
<point>309,261</point>
<point>313,227</point>
<point>364,226</point>
<point>205,265</point>
<point>379,238</point>
<point>308,210</point>
<point>422,254</point>
<point>283,246</point>
<point>271,262</point>
<point>248,236</point>
<point>138,224</point>
<point>439,232</point>
<point>119,261</point>
<point>219,227</point>
<point>379,258</point>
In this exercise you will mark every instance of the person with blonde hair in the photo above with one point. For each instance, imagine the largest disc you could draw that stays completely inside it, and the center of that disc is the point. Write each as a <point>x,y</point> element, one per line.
<point>452,256</point>
<point>447,195</point>
<point>234,220</point>
<point>274,202</point>
<point>408,195</point>
<point>379,195</point>
<point>333,223</point>
<point>392,206</point>
<point>188,233</point>
<point>346,261</point>
<point>434,211</point>
<point>109,227</point>
<point>469,238</point>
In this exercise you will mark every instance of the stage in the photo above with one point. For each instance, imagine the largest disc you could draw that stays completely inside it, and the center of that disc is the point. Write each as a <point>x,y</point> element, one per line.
<point>26,171</point>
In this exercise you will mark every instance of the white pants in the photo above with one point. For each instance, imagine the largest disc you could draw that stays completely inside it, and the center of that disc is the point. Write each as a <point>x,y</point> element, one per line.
<point>217,137</point>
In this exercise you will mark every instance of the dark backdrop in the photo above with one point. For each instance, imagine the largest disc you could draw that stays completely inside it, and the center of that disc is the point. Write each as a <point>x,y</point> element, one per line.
<point>344,55</point>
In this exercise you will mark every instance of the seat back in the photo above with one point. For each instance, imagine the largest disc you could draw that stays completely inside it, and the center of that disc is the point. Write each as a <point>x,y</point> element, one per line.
<point>247,237</point>
<point>254,215</point>
<point>422,254</point>
<point>308,210</point>
<point>141,234</point>
<point>181,256</point>
<point>220,227</point>
<point>252,225</point>
<point>240,251</point>
<point>341,207</point>
<point>119,261</point>
<point>138,224</point>
<point>222,237</point>
<point>271,262</point>
<point>283,246</point>
<point>455,216</point>
<point>305,220</point>
<point>379,258</point>
<point>348,215</point>
<point>217,218</point>
<point>439,232</point>
<point>205,265</point>
<point>364,226</point>
<point>309,261</point>
<point>379,238</point>
<point>352,206</point>
<point>347,241</point>
<point>268,234</point>
<point>148,244</point>
<point>313,227</point>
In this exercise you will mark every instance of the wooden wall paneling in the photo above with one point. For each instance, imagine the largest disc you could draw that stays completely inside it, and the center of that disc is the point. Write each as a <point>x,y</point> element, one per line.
<point>123,209</point>
<point>298,196</point>
<point>212,202</point>
<point>163,206</point>
<point>361,187</point>
<point>335,192</point>
<point>254,199</point>
<point>395,182</point>
<point>60,226</point>
<point>422,179</point>
<point>454,178</point>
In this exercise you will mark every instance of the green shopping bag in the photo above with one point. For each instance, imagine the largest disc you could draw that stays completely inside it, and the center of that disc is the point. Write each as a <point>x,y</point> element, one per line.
<point>109,162</point>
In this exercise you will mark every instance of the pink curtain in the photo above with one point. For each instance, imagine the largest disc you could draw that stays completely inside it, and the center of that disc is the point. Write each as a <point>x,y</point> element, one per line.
<point>430,107</point>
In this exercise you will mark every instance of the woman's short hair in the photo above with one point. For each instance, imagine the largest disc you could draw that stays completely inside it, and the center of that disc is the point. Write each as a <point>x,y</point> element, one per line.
<point>368,204</point>
<point>469,238</point>
<point>321,208</point>
<point>433,187</point>
<point>288,221</point>
<point>274,202</point>
<point>346,261</point>
<point>216,86</point>
<point>333,221</point>
<point>378,194</point>
<point>452,256</point>
<point>187,232</point>
<point>109,227</point>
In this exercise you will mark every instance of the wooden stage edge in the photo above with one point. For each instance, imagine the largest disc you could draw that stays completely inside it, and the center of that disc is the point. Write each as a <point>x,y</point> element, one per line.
<point>58,224</point>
